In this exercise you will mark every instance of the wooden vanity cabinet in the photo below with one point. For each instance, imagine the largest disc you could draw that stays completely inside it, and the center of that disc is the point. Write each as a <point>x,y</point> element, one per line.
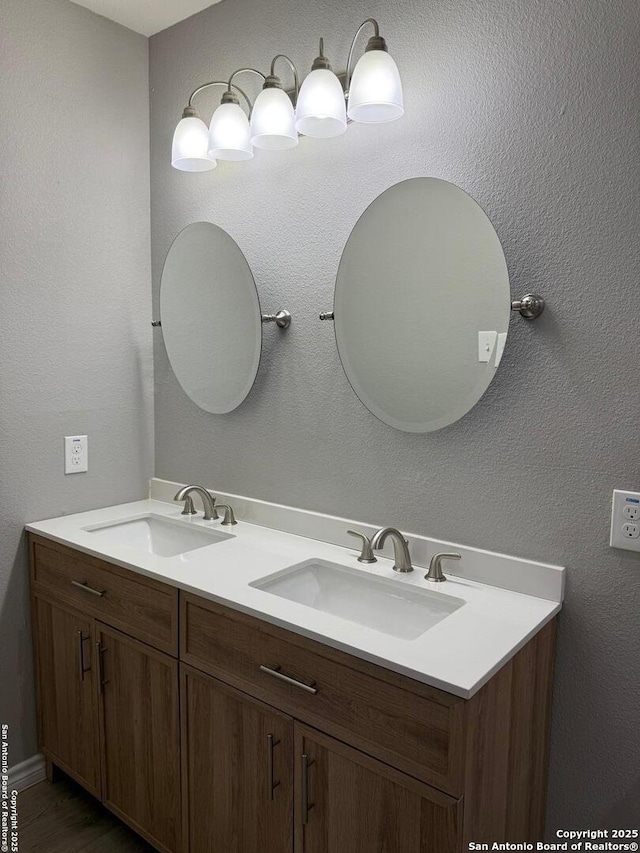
<point>65,676</point>
<point>349,802</point>
<point>108,700</point>
<point>254,739</point>
<point>140,736</point>
<point>237,758</point>
<point>383,762</point>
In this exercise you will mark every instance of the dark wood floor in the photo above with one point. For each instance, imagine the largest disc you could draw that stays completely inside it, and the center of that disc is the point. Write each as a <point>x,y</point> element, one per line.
<point>62,818</point>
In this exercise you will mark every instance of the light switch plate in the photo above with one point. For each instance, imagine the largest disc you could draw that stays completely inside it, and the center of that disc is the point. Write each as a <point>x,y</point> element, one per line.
<point>625,520</point>
<point>502,340</point>
<point>76,454</point>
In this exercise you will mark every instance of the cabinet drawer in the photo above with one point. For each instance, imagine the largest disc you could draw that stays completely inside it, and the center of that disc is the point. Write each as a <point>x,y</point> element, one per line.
<point>403,722</point>
<point>139,606</point>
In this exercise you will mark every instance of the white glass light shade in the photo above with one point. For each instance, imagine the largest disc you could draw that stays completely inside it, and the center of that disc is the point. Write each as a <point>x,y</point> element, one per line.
<point>190,144</point>
<point>321,110</point>
<point>375,91</point>
<point>273,121</point>
<point>229,134</point>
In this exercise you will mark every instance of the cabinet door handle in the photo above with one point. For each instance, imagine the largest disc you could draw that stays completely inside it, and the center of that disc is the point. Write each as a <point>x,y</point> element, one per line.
<point>85,586</point>
<point>271,785</point>
<point>275,672</point>
<point>101,682</point>
<point>306,805</point>
<point>81,667</point>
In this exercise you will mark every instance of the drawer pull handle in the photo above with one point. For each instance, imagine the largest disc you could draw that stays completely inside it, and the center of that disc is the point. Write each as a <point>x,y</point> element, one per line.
<point>306,805</point>
<point>275,672</point>
<point>271,785</point>
<point>81,667</point>
<point>85,586</point>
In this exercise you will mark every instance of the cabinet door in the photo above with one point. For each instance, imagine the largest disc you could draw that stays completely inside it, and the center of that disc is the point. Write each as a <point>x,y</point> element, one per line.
<point>347,802</point>
<point>140,734</point>
<point>237,770</point>
<point>67,714</point>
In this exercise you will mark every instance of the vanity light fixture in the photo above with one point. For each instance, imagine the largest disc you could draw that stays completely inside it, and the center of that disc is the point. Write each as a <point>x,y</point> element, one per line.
<point>190,144</point>
<point>321,111</point>
<point>190,150</point>
<point>273,120</point>
<point>372,93</point>
<point>229,134</point>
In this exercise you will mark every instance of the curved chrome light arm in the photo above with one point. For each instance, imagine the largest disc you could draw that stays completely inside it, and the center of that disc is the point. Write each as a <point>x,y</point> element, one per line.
<point>376,35</point>
<point>232,84</point>
<point>227,85</point>
<point>296,82</point>
<point>241,70</point>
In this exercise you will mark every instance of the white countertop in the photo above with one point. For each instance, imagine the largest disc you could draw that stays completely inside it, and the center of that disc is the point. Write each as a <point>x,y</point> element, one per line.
<point>459,654</point>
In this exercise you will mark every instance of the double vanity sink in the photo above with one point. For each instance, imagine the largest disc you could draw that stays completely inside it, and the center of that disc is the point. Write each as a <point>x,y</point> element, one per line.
<point>190,673</point>
<point>352,594</point>
<point>452,635</point>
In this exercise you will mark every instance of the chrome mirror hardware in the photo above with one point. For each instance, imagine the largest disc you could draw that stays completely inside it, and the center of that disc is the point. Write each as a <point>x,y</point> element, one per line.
<point>208,502</point>
<point>530,306</point>
<point>400,547</point>
<point>229,517</point>
<point>435,567</point>
<point>326,315</point>
<point>281,318</point>
<point>366,554</point>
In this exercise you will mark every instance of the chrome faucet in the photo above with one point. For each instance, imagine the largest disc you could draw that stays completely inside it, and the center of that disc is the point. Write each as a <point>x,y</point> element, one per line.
<point>400,547</point>
<point>208,502</point>
<point>435,566</point>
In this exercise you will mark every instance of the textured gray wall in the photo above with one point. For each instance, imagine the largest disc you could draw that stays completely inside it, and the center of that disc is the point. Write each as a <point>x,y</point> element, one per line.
<point>75,341</point>
<point>533,109</point>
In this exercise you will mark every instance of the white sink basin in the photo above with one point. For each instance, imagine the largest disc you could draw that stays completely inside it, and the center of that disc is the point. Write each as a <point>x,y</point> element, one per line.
<point>388,606</point>
<point>164,537</point>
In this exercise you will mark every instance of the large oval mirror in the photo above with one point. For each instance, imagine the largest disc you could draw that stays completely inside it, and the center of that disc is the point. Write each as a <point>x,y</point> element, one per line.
<point>211,320</point>
<point>421,305</point>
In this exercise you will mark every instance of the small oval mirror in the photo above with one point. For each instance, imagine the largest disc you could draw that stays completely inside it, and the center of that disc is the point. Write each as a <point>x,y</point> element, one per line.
<point>211,321</point>
<point>421,305</point>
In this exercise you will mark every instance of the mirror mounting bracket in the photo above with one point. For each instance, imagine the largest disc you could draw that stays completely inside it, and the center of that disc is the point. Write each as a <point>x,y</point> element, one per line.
<point>282,319</point>
<point>530,306</point>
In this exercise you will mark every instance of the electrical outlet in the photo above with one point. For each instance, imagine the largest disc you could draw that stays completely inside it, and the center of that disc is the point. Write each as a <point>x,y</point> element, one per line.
<point>625,520</point>
<point>76,454</point>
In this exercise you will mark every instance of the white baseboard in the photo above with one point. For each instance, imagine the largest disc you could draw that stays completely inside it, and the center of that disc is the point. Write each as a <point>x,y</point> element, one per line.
<point>29,773</point>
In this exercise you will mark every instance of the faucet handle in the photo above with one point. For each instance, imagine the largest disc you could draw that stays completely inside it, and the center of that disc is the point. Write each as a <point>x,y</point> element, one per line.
<point>229,517</point>
<point>435,566</point>
<point>366,554</point>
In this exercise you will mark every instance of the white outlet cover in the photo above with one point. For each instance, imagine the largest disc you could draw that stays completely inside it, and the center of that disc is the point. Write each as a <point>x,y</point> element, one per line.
<point>76,454</point>
<point>502,340</point>
<point>625,520</point>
